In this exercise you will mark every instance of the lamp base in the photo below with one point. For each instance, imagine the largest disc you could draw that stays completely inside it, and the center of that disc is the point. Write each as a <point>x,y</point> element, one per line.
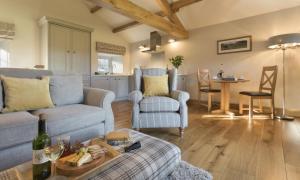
<point>285,117</point>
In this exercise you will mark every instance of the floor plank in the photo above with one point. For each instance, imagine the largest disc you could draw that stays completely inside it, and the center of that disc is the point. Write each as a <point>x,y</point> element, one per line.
<point>231,149</point>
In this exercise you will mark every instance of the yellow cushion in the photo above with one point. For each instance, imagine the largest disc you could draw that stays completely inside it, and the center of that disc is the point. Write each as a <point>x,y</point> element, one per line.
<point>156,85</point>
<point>26,94</point>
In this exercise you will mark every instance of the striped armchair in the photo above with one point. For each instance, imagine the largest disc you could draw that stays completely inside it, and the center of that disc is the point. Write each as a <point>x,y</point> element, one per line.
<point>159,111</point>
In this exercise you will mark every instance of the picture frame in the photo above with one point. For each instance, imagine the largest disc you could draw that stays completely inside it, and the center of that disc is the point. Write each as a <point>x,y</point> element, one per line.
<point>234,45</point>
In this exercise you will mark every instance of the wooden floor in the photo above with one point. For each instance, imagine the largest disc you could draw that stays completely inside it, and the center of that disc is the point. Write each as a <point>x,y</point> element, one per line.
<point>232,148</point>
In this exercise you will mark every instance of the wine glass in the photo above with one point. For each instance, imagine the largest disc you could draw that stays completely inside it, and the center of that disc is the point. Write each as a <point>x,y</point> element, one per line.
<point>53,153</point>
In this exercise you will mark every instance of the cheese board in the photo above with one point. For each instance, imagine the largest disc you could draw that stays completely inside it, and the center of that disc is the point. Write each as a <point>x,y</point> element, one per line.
<point>63,167</point>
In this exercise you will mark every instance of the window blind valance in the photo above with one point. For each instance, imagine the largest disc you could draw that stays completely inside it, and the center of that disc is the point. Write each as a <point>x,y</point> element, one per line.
<point>108,48</point>
<point>7,30</point>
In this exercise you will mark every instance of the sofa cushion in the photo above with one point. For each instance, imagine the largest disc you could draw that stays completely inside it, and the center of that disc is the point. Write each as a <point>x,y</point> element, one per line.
<point>23,94</point>
<point>66,89</point>
<point>1,96</point>
<point>64,119</point>
<point>159,104</point>
<point>17,128</point>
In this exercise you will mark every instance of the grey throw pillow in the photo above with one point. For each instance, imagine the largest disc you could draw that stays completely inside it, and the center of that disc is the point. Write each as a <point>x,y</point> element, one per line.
<point>66,89</point>
<point>1,96</point>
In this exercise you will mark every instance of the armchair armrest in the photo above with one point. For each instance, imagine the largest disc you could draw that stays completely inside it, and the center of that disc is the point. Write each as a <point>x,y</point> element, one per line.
<point>103,99</point>
<point>180,96</point>
<point>135,96</point>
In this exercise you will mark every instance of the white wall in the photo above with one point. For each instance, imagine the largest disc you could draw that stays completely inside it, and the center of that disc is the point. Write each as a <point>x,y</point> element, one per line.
<point>200,51</point>
<point>25,48</point>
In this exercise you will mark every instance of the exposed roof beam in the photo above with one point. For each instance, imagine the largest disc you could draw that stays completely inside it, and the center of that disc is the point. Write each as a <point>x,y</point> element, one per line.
<point>174,7</point>
<point>142,15</point>
<point>166,8</point>
<point>126,26</point>
<point>95,9</point>
<point>133,24</point>
<point>182,3</point>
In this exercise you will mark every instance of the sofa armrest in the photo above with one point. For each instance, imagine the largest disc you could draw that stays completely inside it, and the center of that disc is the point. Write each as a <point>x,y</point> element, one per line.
<point>180,96</point>
<point>135,96</point>
<point>101,98</point>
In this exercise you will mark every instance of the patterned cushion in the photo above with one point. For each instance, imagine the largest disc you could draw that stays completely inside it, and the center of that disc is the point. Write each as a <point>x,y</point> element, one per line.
<point>159,104</point>
<point>154,72</point>
<point>252,93</point>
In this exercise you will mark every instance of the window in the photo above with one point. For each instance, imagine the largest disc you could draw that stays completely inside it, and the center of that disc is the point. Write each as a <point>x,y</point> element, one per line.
<point>110,63</point>
<point>4,53</point>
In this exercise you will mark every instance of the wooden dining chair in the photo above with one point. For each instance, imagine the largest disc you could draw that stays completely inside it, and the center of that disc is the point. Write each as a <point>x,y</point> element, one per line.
<point>204,86</point>
<point>266,91</point>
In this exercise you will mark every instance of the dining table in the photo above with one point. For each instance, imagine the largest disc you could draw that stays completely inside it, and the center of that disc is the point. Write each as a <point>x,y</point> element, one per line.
<point>225,95</point>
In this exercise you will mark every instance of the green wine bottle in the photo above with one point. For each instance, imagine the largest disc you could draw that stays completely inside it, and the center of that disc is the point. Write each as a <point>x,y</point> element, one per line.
<point>41,166</point>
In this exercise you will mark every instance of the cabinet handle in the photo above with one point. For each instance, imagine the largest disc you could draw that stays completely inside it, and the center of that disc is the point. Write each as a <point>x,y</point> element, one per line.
<point>74,52</point>
<point>68,51</point>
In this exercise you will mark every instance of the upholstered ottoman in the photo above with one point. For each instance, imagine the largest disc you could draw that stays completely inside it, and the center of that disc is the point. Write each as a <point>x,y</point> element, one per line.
<point>156,159</point>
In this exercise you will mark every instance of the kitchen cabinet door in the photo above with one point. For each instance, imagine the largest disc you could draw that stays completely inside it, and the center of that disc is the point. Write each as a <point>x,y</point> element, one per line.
<point>101,82</point>
<point>122,90</point>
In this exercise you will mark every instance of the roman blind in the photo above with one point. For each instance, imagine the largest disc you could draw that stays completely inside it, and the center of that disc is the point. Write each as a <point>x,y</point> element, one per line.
<point>102,47</point>
<point>7,30</point>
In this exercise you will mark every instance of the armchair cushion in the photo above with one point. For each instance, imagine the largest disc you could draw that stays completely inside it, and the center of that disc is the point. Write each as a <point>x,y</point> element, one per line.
<point>156,85</point>
<point>159,104</point>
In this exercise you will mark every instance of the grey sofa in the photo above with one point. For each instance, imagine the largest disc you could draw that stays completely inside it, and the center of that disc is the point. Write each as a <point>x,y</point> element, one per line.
<point>89,118</point>
<point>158,111</point>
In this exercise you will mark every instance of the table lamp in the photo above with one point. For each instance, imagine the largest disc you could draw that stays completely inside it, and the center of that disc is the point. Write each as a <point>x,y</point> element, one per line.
<point>284,42</point>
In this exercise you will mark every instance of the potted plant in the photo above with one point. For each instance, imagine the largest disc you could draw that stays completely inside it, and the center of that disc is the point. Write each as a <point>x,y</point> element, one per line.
<point>176,61</point>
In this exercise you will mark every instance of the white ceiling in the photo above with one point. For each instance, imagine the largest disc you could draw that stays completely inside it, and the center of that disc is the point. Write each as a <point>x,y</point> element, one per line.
<point>200,14</point>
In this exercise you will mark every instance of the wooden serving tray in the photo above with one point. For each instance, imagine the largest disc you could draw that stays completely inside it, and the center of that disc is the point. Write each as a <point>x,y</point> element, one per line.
<point>86,170</point>
<point>65,169</point>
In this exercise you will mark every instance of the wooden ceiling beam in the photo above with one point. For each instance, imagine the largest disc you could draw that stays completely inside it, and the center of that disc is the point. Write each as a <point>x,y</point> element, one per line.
<point>133,24</point>
<point>166,8</point>
<point>142,15</point>
<point>174,7</point>
<point>182,3</point>
<point>95,9</point>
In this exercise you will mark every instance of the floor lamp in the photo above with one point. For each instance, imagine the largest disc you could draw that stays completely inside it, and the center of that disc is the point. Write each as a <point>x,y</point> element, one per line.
<point>284,42</point>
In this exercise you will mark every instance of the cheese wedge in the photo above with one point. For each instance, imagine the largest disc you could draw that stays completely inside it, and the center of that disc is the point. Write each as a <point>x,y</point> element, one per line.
<point>86,158</point>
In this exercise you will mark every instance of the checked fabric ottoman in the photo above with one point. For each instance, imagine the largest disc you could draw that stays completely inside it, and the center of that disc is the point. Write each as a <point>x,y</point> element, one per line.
<point>156,159</point>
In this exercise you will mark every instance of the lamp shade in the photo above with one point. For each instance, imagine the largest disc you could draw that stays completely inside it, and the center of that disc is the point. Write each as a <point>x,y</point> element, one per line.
<point>284,41</point>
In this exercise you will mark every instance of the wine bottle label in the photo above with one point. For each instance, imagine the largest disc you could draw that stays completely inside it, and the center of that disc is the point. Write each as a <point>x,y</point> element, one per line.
<point>39,157</point>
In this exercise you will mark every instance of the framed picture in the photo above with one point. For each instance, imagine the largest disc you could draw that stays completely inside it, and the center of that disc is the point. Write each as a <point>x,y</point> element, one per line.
<point>240,44</point>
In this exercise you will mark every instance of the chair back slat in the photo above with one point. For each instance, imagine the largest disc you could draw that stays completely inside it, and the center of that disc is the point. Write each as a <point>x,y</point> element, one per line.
<point>268,79</point>
<point>203,77</point>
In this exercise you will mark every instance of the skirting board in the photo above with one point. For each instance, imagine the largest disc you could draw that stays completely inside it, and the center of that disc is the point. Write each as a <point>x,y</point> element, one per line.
<point>294,113</point>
